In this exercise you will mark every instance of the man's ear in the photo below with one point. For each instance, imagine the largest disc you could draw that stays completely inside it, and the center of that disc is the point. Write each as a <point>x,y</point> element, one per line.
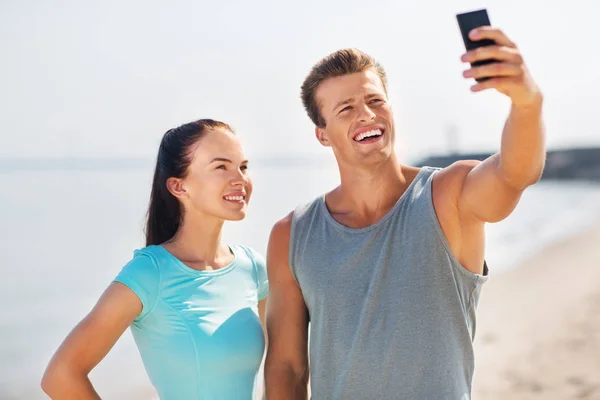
<point>321,135</point>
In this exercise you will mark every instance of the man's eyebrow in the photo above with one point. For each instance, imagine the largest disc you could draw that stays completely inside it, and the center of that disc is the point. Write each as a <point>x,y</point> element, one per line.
<point>343,103</point>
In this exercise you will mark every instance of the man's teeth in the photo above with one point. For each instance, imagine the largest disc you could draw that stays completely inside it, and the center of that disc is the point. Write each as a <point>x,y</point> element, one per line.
<point>372,133</point>
<point>234,198</point>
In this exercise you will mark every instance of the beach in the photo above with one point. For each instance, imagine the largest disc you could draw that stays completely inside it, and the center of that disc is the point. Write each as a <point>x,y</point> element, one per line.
<point>538,327</point>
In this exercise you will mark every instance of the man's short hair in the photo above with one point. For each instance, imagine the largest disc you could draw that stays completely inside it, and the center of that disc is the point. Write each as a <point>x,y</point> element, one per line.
<point>342,62</point>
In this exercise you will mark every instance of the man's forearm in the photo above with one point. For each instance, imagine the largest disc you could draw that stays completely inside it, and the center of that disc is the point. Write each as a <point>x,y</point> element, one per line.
<point>523,150</point>
<point>282,383</point>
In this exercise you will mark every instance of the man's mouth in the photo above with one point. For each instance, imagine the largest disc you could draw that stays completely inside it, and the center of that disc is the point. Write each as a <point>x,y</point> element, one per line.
<point>368,136</point>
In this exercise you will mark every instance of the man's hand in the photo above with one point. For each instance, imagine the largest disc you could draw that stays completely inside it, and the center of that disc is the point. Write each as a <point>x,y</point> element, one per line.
<point>508,75</point>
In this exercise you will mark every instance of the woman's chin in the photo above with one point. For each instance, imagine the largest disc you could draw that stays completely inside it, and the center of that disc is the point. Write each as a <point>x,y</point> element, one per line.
<point>235,215</point>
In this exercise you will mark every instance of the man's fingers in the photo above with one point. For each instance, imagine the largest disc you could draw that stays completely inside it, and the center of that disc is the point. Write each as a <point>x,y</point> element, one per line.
<point>494,70</point>
<point>488,32</point>
<point>500,53</point>
<point>501,84</point>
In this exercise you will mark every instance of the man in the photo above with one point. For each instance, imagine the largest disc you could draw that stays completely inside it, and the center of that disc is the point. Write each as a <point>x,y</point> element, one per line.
<point>388,266</point>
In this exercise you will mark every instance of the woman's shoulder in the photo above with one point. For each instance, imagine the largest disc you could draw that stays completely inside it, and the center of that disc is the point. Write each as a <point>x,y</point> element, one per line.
<point>143,263</point>
<point>254,255</point>
<point>259,269</point>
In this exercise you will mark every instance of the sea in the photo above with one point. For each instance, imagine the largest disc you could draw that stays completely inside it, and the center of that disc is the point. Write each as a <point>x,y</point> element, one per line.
<point>66,230</point>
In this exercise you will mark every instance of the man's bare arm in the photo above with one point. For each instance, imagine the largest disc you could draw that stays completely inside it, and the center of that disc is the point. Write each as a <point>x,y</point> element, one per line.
<point>286,365</point>
<point>492,189</point>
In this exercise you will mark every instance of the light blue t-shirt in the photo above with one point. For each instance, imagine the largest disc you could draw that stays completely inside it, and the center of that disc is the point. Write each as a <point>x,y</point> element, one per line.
<point>199,333</point>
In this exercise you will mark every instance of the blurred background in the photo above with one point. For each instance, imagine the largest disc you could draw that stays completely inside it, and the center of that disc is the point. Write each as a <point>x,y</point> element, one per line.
<point>87,90</point>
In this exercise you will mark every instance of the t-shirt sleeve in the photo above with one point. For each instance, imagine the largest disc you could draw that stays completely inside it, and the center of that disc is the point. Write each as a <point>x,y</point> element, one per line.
<point>142,276</point>
<point>261,274</point>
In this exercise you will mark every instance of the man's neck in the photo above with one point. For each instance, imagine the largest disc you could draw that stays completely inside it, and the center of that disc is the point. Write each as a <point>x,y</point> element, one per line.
<point>368,192</point>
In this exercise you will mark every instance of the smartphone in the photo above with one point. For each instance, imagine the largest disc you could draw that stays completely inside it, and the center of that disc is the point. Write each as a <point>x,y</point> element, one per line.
<point>469,21</point>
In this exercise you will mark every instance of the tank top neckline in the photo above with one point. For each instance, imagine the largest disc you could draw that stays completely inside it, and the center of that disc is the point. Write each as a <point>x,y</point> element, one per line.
<point>322,204</point>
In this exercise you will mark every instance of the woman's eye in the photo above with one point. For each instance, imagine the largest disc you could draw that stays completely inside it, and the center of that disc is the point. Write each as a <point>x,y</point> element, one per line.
<point>244,167</point>
<point>221,166</point>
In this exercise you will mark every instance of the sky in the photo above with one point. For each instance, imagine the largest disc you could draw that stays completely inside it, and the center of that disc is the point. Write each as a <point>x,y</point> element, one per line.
<point>107,79</point>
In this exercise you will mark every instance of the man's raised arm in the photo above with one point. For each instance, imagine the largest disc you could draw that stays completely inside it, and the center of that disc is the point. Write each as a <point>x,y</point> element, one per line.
<point>492,189</point>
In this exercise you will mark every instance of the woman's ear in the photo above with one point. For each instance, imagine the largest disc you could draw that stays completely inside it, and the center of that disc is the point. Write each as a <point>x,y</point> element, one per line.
<point>176,188</point>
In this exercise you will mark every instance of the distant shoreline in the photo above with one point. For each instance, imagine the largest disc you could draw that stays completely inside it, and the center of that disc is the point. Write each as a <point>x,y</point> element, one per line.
<point>133,163</point>
<point>575,163</point>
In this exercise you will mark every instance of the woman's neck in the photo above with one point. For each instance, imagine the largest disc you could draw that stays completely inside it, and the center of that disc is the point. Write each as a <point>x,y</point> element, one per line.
<point>197,243</point>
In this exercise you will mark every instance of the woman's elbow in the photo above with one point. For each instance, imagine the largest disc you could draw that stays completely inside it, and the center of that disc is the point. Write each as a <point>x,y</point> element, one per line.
<point>55,377</point>
<point>49,380</point>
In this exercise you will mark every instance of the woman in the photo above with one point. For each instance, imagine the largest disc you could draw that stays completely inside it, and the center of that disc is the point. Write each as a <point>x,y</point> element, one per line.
<point>195,305</point>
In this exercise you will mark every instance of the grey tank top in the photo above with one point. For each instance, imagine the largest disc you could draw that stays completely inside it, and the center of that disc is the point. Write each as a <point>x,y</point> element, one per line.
<point>392,312</point>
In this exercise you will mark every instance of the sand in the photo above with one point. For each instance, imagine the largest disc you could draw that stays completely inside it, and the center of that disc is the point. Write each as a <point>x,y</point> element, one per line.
<point>538,326</point>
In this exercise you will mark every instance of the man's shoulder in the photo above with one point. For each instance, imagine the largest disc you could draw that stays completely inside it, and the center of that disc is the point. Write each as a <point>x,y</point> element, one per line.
<point>460,167</point>
<point>284,225</point>
<point>302,209</point>
<point>453,176</point>
<point>447,186</point>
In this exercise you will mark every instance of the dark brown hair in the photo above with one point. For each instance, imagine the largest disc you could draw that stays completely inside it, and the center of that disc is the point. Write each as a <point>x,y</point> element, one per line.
<point>165,213</point>
<point>342,62</point>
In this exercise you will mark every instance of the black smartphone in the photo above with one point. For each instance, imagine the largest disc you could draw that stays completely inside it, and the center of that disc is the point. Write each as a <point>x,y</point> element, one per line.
<point>469,21</point>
